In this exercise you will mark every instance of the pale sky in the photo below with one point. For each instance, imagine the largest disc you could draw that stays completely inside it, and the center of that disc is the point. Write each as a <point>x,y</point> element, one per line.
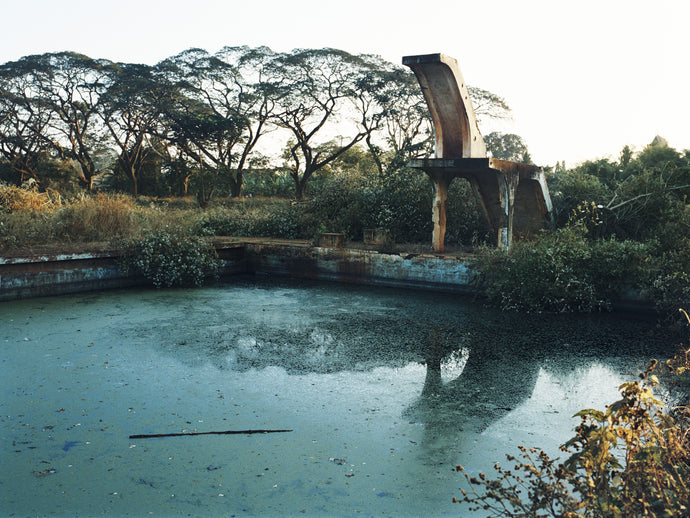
<point>583,78</point>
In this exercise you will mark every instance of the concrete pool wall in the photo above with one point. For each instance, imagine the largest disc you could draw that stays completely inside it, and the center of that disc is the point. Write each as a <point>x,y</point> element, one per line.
<point>36,275</point>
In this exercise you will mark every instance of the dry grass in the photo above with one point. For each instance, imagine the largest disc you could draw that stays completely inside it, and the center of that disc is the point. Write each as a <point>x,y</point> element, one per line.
<point>15,199</point>
<point>98,218</point>
<point>29,218</point>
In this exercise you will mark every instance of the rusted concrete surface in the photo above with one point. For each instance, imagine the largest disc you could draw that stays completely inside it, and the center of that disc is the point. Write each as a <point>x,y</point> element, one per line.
<point>429,272</point>
<point>54,274</point>
<point>36,276</point>
<point>514,196</point>
<point>41,275</point>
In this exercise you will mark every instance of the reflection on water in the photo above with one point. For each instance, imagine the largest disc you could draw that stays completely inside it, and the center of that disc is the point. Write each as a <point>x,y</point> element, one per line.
<point>386,392</point>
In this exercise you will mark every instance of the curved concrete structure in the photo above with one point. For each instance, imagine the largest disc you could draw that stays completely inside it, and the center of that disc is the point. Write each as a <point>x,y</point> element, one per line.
<point>446,94</point>
<point>514,196</point>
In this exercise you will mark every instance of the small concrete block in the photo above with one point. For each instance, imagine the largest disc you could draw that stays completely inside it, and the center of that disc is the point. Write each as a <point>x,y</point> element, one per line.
<point>377,236</point>
<point>331,240</point>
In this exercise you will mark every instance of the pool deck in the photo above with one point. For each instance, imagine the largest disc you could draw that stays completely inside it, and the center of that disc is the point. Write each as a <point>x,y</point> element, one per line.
<point>45,271</point>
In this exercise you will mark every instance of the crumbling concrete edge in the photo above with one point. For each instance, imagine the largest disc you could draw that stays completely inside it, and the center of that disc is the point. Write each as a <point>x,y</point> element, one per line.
<point>45,275</point>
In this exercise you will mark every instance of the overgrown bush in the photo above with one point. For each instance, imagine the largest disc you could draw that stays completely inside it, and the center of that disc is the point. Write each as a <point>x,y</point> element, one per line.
<point>168,258</point>
<point>26,216</point>
<point>30,218</point>
<point>670,284</point>
<point>252,218</point>
<point>405,206</point>
<point>18,199</point>
<point>465,220</point>
<point>399,203</point>
<point>560,271</point>
<point>631,459</point>
<point>345,204</point>
<point>27,228</point>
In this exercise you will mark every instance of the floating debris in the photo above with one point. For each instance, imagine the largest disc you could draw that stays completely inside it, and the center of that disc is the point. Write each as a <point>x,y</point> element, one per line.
<point>45,472</point>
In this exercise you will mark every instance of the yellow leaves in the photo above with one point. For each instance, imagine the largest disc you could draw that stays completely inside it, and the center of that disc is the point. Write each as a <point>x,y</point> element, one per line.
<point>590,412</point>
<point>651,481</point>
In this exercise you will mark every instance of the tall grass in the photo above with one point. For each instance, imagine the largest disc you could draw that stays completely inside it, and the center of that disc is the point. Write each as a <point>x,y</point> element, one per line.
<point>29,218</point>
<point>16,199</point>
<point>98,218</point>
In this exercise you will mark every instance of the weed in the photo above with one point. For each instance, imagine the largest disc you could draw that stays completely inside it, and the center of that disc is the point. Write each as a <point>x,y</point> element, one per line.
<point>168,258</point>
<point>631,459</point>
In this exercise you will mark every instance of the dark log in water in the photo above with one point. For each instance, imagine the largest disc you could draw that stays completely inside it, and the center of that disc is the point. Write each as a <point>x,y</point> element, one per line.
<point>223,432</point>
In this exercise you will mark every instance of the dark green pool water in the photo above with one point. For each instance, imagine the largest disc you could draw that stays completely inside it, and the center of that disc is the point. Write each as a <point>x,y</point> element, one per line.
<point>385,391</point>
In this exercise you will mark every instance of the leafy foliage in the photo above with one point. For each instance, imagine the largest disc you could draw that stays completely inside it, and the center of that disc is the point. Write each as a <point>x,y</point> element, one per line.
<point>252,218</point>
<point>168,258</point>
<point>639,198</point>
<point>560,272</point>
<point>670,283</point>
<point>507,146</point>
<point>632,459</point>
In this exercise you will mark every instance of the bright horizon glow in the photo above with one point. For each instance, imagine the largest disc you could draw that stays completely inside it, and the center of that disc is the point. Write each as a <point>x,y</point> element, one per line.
<point>583,79</point>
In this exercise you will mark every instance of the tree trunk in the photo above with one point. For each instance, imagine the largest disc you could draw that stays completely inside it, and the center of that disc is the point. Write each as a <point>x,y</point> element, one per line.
<point>236,185</point>
<point>300,189</point>
<point>135,186</point>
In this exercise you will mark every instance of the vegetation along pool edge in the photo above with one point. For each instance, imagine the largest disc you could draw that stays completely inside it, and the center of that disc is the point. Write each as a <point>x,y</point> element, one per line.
<point>45,274</point>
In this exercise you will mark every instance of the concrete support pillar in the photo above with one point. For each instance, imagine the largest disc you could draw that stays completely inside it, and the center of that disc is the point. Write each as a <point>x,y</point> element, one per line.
<point>438,210</point>
<point>508,185</point>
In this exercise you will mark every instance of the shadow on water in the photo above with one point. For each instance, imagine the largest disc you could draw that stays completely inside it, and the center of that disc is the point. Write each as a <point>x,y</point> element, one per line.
<point>484,385</point>
<point>480,364</point>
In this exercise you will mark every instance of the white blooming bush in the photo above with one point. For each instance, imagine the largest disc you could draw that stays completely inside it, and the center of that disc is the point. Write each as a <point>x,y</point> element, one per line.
<point>168,259</point>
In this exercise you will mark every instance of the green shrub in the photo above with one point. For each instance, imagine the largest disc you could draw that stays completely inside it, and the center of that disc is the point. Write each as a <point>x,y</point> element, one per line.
<point>168,259</point>
<point>252,218</point>
<point>404,207</point>
<point>559,272</point>
<point>465,220</point>
<point>670,284</point>
<point>344,204</point>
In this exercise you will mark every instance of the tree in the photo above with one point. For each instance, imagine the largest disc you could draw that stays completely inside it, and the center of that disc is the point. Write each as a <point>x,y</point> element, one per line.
<point>640,197</point>
<point>406,121</point>
<point>24,121</point>
<point>626,156</point>
<point>488,105</point>
<point>319,86</point>
<point>70,86</point>
<point>404,129</point>
<point>506,146</point>
<point>224,108</point>
<point>131,111</point>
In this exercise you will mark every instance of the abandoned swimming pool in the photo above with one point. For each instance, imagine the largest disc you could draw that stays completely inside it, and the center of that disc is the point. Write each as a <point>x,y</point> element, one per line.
<point>383,392</point>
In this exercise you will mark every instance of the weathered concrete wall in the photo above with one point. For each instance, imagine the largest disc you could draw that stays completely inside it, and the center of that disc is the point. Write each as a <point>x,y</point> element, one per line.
<point>360,267</point>
<point>36,276</point>
<point>42,275</point>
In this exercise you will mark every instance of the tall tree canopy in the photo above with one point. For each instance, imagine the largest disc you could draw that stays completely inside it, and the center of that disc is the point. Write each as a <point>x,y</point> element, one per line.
<point>320,97</point>
<point>224,108</point>
<point>131,112</point>
<point>201,116</point>
<point>24,123</point>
